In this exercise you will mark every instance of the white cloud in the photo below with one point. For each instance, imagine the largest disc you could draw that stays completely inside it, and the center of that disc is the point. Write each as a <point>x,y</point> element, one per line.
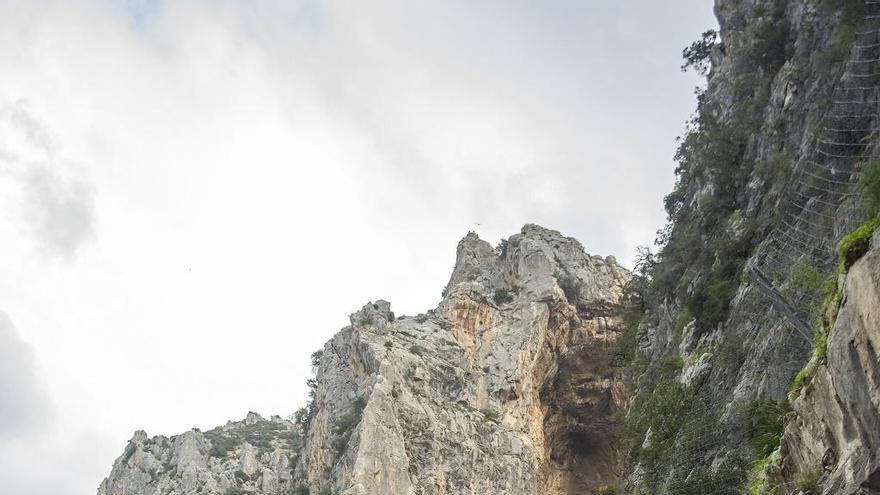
<point>56,203</point>
<point>42,453</point>
<point>25,403</point>
<point>235,177</point>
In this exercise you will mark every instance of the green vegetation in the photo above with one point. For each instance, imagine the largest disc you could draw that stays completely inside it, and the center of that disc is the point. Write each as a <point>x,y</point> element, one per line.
<point>316,358</point>
<point>696,56</point>
<point>706,242</point>
<point>502,296</point>
<point>344,426</point>
<point>491,415</point>
<point>838,46</point>
<point>726,480</point>
<point>757,480</point>
<point>808,481</point>
<point>805,278</point>
<point>852,247</point>
<point>263,435</point>
<point>417,350</point>
<point>870,183</point>
<point>501,248</point>
<point>855,244</point>
<point>663,413</point>
<point>765,422</point>
<point>299,489</point>
<point>627,342</point>
<point>772,43</point>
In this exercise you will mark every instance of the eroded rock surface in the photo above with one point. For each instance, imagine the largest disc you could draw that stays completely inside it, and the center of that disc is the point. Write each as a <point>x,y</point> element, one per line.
<point>508,386</point>
<point>251,456</point>
<point>837,430</point>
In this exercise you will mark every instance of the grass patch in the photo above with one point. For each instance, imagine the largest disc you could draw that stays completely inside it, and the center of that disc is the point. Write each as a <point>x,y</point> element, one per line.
<point>765,422</point>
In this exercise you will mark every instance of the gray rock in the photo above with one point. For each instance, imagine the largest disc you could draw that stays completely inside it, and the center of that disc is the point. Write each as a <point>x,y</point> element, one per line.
<point>475,396</point>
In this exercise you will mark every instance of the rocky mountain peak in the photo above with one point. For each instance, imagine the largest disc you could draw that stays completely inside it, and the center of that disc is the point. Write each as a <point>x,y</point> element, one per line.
<point>507,385</point>
<point>541,262</point>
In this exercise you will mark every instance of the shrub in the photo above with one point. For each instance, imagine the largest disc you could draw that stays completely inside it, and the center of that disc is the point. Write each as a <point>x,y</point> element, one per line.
<point>870,183</point>
<point>502,296</point>
<point>316,358</point>
<point>851,13</point>
<point>627,342</point>
<point>501,248</point>
<point>697,55</point>
<point>765,422</point>
<point>726,480</point>
<point>855,244</point>
<point>663,413</point>
<point>710,301</point>
<point>345,424</point>
<point>417,350</point>
<point>771,43</point>
<point>806,278</point>
<point>808,481</point>
<point>491,415</point>
<point>757,481</point>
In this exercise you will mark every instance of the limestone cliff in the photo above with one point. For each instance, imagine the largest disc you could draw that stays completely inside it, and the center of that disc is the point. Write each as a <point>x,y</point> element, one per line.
<point>734,343</point>
<point>837,429</point>
<point>508,386</point>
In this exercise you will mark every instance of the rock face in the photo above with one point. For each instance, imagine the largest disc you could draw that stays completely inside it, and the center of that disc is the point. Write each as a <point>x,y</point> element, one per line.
<point>251,456</point>
<point>715,359</point>
<point>837,430</point>
<point>508,386</point>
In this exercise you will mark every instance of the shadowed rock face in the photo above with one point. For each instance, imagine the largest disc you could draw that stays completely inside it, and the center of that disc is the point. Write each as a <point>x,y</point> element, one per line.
<point>506,387</point>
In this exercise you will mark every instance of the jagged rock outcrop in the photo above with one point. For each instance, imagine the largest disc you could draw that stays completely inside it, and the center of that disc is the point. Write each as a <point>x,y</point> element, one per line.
<point>508,386</point>
<point>250,456</point>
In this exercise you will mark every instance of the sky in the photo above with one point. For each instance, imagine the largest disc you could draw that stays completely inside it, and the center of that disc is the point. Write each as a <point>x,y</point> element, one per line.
<point>195,194</point>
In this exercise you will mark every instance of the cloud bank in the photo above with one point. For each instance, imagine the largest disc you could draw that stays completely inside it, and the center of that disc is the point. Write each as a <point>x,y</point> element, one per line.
<point>38,457</point>
<point>56,203</point>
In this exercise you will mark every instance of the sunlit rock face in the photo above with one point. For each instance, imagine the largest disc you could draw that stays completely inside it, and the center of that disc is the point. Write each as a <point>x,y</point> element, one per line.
<point>507,386</point>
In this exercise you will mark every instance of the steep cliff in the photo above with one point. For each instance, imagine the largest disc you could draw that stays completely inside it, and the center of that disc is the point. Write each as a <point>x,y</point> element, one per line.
<point>509,386</point>
<point>734,319</point>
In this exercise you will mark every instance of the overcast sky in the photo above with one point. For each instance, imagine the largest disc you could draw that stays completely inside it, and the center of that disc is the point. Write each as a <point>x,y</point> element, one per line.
<point>194,195</point>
